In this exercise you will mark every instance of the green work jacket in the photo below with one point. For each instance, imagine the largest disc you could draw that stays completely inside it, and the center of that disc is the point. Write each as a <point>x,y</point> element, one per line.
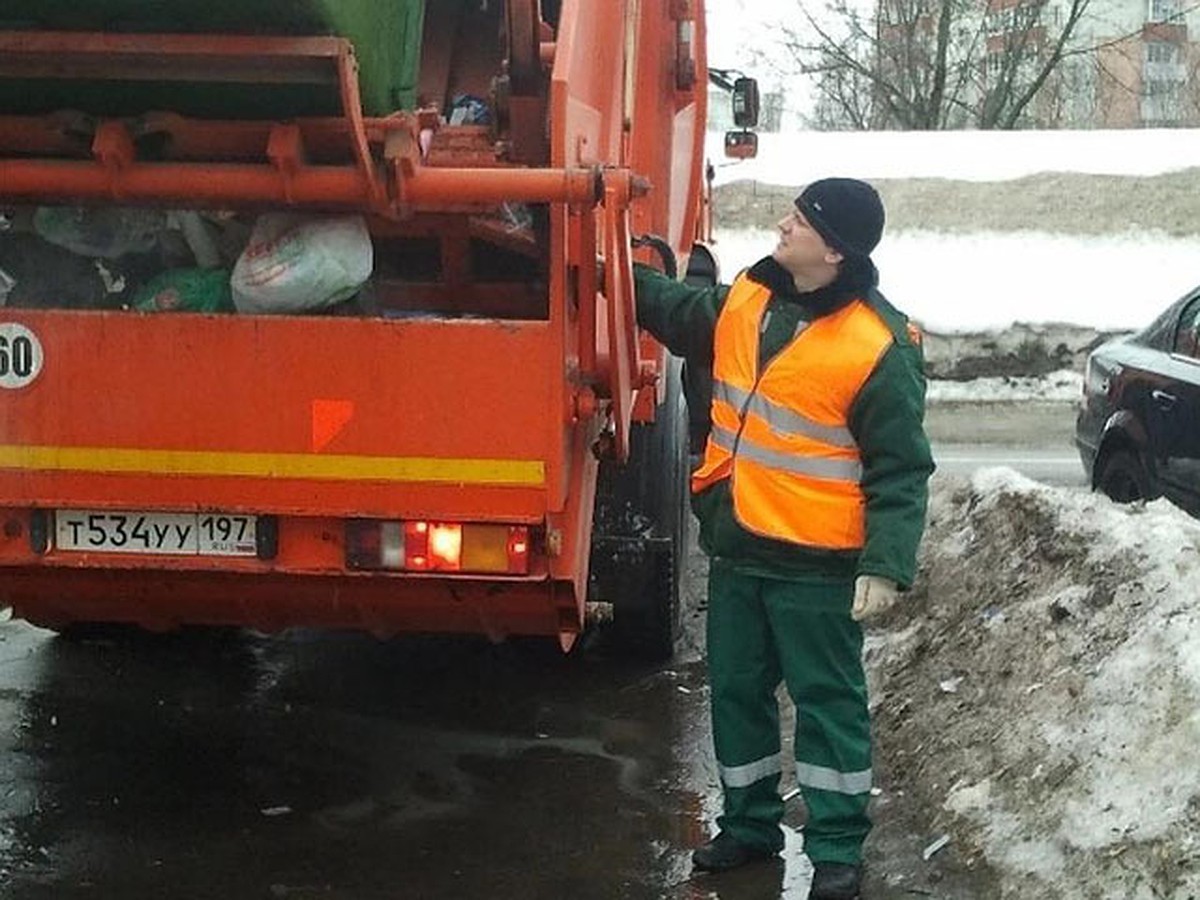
<point>886,420</point>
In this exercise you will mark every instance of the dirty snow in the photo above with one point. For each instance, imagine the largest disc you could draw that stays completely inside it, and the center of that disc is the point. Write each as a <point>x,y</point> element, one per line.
<point>977,280</point>
<point>1044,707</point>
<point>1065,386</point>
<point>801,156</point>
<point>981,281</point>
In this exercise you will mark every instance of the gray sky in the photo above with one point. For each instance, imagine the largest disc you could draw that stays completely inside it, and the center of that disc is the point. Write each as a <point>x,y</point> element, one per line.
<point>734,26</point>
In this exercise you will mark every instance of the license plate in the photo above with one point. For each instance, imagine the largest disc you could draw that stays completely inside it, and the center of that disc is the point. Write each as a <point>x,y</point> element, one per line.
<point>176,534</point>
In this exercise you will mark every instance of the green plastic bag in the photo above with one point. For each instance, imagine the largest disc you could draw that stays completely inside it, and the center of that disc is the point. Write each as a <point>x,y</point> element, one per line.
<point>186,290</point>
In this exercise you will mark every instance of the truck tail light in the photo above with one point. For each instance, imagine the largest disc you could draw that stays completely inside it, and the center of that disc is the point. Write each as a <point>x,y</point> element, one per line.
<point>518,547</point>
<point>422,546</point>
<point>430,546</point>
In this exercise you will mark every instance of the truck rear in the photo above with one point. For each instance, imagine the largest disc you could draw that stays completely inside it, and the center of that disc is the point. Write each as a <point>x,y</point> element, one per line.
<point>422,451</point>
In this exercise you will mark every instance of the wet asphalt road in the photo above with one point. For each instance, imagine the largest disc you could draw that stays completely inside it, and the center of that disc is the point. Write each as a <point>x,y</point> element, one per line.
<point>314,766</point>
<point>1036,438</point>
<point>336,766</point>
<point>303,766</point>
<point>1057,467</point>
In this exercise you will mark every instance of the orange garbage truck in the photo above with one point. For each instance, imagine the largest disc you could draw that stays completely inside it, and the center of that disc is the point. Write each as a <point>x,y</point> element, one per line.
<point>303,321</point>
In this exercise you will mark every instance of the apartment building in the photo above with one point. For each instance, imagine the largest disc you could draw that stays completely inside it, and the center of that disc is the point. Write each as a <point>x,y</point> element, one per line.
<point>1129,63</point>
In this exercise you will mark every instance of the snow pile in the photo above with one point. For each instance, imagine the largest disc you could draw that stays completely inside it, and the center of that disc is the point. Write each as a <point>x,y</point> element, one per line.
<point>1065,386</point>
<point>967,248</point>
<point>1043,706</point>
<point>798,157</point>
<point>987,281</point>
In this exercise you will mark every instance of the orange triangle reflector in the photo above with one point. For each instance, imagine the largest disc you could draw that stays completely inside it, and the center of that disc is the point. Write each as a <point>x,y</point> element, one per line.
<point>329,417</point>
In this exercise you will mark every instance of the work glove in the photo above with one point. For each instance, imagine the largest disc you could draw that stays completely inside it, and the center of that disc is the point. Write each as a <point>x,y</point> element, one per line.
<point>872,595</point>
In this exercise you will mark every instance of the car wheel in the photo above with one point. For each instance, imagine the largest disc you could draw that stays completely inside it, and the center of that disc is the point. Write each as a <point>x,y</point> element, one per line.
<point>1124,479</point>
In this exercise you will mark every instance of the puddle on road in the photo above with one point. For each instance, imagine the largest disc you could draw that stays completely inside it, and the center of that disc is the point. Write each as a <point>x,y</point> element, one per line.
<point>339,766</point>
<point>327,766</point>
<point>786,877</point>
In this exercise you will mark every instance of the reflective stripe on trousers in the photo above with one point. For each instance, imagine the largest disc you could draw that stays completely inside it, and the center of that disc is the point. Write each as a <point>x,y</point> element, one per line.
<point>808,775</point>
<point>746,775</point>
<point>824,779</point>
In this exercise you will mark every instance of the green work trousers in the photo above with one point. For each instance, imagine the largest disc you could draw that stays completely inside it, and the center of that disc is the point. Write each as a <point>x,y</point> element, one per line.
<point>763,631</point>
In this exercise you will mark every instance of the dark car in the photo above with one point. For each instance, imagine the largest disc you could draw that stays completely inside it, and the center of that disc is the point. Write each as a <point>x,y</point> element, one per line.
<point>1138,431</point>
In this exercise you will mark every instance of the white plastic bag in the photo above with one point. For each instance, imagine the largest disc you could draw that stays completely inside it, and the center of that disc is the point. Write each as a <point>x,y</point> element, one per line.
<point>295,263</point>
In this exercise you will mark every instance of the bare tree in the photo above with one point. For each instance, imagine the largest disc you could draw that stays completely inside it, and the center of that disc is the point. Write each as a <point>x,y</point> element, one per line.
<point>929,64</point>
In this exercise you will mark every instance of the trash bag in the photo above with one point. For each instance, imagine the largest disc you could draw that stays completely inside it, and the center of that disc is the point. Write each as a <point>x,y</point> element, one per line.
<point>199,237</point>
<point>516,216</point>
<point>44,276</point>
<point>102,231</point>
<point>295,263</point>
<point>467,109</point>
<point>7,283</point>
<point>186,290</point>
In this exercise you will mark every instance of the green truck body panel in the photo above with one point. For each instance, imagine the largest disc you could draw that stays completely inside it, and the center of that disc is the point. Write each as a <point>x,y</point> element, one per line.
<point>386,35</point>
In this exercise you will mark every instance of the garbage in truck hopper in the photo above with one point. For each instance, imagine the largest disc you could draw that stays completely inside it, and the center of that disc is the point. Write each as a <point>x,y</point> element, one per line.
<point>295,263</point>
<point>114,258</point>
<point>186,290</point>
<point>42,275</point>
<point>105,232</point>
<point>7,283</point>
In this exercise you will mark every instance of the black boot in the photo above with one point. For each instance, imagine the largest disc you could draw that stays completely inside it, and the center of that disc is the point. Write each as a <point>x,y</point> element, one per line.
<point>835,881</point>
<point>725,852</point>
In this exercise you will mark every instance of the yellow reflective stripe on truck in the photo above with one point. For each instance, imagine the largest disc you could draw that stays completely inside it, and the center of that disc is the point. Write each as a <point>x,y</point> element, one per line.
<point>110,460</point>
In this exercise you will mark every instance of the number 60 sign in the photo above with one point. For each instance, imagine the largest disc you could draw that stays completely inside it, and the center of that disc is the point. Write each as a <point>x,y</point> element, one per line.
<point>20,355</point>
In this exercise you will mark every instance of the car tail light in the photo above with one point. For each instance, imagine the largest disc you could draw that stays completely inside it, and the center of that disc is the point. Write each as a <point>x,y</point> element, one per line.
<point>422,546</point>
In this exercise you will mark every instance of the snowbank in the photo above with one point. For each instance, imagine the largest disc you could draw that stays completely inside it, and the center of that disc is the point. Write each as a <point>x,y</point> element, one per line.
<point>799,157</point>
<point>1044,705</point>
<point>967,248</point>
<point>978,281</point>
<point>1065,386</point>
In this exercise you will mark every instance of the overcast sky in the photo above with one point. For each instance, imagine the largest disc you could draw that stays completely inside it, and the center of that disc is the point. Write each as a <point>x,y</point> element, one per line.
<point>734,28</point>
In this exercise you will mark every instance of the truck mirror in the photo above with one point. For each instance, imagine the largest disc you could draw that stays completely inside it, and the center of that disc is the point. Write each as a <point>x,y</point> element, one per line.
<point>745,102</point>
<point>741,144</point>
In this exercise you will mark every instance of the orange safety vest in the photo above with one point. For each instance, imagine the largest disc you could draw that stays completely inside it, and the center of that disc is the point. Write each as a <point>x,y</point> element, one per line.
<point>783,436</point>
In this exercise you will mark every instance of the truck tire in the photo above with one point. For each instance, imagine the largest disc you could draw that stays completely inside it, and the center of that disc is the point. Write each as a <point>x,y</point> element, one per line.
<point>130,636</point>
<point>639,536</point>
<point>105,632</point>
<point>703,270</point>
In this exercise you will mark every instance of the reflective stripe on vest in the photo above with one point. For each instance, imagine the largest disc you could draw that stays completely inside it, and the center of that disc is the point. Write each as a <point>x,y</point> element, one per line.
<point>781,418</point>
<point>783,436</point>
<point>845,469</point>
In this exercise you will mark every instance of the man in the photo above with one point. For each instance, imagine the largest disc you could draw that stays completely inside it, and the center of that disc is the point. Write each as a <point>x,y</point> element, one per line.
<point>811,498</point>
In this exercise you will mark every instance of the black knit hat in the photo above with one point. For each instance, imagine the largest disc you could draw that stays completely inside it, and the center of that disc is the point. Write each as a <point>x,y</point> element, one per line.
<point>846,212</point>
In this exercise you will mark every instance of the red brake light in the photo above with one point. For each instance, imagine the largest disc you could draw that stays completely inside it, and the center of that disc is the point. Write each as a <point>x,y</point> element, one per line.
<point>518,550</point>
<point>416,546</point>
<point>423,546</point>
